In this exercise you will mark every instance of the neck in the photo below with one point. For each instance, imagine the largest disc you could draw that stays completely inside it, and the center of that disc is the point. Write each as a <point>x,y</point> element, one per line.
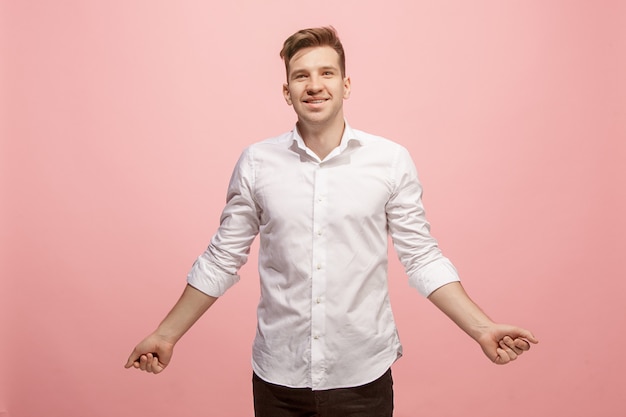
<point>322,139</point>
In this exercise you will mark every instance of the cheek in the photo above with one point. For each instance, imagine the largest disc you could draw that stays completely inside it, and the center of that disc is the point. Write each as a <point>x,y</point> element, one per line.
<point>295,92</point>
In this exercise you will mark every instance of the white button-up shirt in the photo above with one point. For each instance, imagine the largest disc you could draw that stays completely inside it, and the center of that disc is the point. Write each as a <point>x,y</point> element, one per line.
<point>324,317</point>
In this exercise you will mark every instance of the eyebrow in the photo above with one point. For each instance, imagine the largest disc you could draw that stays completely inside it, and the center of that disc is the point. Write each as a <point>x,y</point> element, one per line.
<point>304,70</point>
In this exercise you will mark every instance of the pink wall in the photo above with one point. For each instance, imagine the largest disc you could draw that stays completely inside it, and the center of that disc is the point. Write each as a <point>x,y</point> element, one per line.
<point>121,122</point>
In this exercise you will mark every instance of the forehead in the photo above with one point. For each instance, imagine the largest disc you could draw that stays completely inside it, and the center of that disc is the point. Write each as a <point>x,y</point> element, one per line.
<point>314,57</point>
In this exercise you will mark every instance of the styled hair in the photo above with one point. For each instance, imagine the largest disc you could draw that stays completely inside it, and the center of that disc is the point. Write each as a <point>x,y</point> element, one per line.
<point>306,38</point>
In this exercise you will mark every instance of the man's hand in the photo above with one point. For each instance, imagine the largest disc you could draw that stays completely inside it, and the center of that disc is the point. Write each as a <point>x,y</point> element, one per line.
<point>152,355</point>
<point>500,342</point>
<point>503,343</point>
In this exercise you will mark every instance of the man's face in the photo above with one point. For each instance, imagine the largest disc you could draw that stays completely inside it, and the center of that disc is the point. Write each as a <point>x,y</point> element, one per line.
<point>315,86</point>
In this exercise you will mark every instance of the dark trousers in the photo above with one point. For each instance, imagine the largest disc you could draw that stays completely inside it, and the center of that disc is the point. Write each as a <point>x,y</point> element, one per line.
<point>370,400</point>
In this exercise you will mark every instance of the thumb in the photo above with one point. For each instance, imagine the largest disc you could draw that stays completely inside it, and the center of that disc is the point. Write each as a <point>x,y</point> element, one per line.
<point>528,336</point>
<point>131,359</point>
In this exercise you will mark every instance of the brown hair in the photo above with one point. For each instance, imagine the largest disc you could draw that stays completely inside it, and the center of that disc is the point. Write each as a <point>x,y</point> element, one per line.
<point>306,38</point>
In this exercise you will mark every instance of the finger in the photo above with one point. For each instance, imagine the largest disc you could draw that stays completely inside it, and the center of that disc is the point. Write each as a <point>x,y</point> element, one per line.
<point>510,343</point>
<point>502,358</point>
<point>156,366</point>
<point>143,362</point>
<point>503,345</point>
<point>510,352</point>
<point>149,361</point>
<point>152,363</point>
<point>522,344</point>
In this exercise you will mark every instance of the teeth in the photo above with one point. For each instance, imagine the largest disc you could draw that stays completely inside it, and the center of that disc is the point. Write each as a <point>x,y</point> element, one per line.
<point>316,101</point>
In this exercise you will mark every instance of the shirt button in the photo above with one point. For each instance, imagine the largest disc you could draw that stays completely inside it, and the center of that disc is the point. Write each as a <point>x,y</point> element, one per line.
<point>319,266</point>
<point>318,300</point>
<point>316,337</point>
<point>319,233</point>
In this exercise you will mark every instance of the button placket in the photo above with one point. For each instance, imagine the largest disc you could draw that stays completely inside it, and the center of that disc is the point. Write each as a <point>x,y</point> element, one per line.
<point>319,277</point>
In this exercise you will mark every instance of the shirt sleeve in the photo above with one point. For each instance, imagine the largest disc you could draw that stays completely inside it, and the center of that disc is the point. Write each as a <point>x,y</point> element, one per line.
<point>417,250</point>
<point>215,271</point>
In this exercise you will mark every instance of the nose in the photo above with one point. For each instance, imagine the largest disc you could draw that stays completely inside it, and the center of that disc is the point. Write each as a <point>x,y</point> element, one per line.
<point>314,85</point>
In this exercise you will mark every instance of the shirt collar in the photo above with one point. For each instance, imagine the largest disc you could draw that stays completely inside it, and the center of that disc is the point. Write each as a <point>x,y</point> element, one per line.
<point>349,136</point>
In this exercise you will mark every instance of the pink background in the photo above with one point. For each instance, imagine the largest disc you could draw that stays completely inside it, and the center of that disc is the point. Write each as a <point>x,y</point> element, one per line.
<point>121,122</point>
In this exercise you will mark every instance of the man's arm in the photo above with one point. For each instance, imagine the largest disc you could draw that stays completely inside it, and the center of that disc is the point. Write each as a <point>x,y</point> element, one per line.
<point>213,272</point>
<point>501,343</point>
<point>153,354</point>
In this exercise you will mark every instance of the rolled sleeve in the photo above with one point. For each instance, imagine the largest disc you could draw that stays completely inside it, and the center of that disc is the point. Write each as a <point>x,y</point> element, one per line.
<point>204,276</point>
<point>215,271</point>
<point>417,250</point>
<point>434,275</point>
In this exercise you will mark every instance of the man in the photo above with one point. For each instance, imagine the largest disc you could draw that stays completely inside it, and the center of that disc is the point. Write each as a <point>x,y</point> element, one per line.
<point>323,199</point>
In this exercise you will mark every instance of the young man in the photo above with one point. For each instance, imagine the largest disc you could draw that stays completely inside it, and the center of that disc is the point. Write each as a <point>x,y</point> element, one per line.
<point>323,199</point>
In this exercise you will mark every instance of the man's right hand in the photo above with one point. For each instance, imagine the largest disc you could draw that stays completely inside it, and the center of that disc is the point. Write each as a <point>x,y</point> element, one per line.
<point>152,355</point>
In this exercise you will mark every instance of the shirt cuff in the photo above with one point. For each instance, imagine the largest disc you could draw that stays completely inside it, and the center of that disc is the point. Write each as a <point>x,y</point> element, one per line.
<point>434,275</point>
<point>211,281</point>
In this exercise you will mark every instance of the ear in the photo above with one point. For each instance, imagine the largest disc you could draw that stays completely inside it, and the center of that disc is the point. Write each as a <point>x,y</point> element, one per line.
<point>287,94</point>
<point>347,86</point>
